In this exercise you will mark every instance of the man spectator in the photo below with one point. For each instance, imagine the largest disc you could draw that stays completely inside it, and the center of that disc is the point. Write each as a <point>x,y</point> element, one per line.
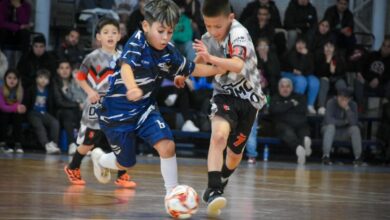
<point>251,10</point>
<point>135,19</point>
<point>341,24</point>
<point>288,111</point>
<point>341,122</point>
<point>70,49</point>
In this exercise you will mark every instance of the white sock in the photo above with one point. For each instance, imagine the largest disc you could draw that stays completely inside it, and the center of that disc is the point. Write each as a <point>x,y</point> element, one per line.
<point>108,161</point>
<point>169,172</point>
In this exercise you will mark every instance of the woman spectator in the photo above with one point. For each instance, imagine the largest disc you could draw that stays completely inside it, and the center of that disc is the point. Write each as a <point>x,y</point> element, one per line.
<point>329,67</point>
<point>317,37</point>
<point>300,69</point>
<point>69,100</point>
<point>269,65</point>
<point>11,110</point>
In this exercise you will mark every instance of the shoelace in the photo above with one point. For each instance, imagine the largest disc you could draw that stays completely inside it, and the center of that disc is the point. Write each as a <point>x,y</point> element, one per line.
<point>124,177</point>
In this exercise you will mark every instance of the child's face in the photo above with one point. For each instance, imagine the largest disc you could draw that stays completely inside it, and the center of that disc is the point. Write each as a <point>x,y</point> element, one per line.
<point>218,26</point>
<point>157,34</point>
<point>42,81</point>
<point>11,80</point>
<point>108,36</point>
<point>64,70</point>
<point>39,49</point>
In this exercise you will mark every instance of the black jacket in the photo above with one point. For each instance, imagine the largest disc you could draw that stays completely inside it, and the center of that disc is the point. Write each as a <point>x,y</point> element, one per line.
<point>322,68</point>
<point>301,62</point>
<point>73,54</point>
<point>376,66</point>
<point>316,40</point>
<point>301,17</point>
<point>268,31</point>
<point>60,99</point>
<point>332,15</point>
<point>30,97</point>
<point>251,11</point>
<point>283,110</point>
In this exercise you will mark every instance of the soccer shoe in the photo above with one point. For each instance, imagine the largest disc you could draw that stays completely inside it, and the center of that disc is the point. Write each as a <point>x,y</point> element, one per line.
<point>74,176</point>
<point>307,145</point>
<point>102,174</point>
<point>301,154</point>
<point>215,203</point>
<point>224,182</point>
<point>125,182</point>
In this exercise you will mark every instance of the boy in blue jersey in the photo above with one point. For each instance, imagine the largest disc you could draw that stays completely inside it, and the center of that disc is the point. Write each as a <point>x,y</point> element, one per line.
<point>129,108</point>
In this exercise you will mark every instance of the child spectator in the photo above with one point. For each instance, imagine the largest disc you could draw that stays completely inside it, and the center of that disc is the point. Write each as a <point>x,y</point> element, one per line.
<point>69,100</point>
<point>317,37</point>
<point>40,110</point>
<point>32,61</point>
<point>288,111</point>
<point>300,70</point>
<point>11,110</point>
<point>71,50</point>
<point>330,68</point>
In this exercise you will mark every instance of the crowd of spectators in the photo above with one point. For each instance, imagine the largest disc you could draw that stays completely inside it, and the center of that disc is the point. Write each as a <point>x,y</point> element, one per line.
<point>310,65</point>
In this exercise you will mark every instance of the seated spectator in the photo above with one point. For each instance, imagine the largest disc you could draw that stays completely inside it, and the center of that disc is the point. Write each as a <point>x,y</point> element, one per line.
<point>11,111</point>
<point>35,59</point>
<point>375,77</point>
<point>69,100</point>
<point>124,8</point>
<point>193,11</point>
<point>71,50</point>
<point>39,102</point>
<point>15,24</point>
<point>288,111</point>
<point>300,69</point>
<point>124,36</point>
<point>269,65</point>
<point>341,24</point>
<point>384,131</point>
<point>341,122</point>
<point>3,65</point>
<point>135,19</point>
<point>300,17</point>
<point>318,36</point>
<point>330,68</point>
<point>251,10</point>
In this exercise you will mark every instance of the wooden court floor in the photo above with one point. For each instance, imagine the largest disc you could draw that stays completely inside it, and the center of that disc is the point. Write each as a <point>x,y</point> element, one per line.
<point>34,186</point>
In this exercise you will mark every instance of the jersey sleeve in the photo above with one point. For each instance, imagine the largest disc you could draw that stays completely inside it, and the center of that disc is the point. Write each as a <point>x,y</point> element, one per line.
<point>84,69</point>
<point>180,65</point>
<point>239,42</point>
<point>133,50</point>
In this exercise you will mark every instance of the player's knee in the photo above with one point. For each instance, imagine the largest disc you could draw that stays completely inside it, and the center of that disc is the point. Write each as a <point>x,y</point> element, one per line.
<point>165,148</point>
<point>219,140</point>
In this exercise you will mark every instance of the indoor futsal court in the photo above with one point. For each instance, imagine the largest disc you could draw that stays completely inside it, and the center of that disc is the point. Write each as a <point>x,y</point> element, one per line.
<point>34,186</point>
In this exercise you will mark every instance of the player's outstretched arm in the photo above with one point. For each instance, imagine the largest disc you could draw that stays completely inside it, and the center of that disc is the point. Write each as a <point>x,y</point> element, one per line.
<point>134,93</point>
<point>93,96</point>
<point>203,70</point>
<point>234,64</point>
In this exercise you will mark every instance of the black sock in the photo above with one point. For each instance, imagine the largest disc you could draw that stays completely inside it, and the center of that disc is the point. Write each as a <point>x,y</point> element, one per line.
<point>226,172</point>
<point>215,180</point>
<point>76,161</point>
<point>121,172</point>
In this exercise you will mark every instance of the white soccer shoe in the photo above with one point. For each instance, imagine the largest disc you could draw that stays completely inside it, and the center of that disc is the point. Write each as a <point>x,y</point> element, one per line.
<point>102,174</point>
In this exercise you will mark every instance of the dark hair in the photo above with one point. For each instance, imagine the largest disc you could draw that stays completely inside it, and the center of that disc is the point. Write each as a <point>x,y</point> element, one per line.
<point>263,8</point>
<point>164,11</point>
<point>301,39</point>
<point>106,21</point>
<point>63,60</point>
<point>9,71</point>
<point>346,92</point>
<point>387,38</point>
<point>40,38</point>
<point>214,8</point>
<point>73,29</point>
<point>43,72</point>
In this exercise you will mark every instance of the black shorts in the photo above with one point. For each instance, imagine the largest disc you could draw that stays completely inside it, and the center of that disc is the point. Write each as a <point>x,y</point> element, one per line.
<point>240,114</point>
<point>96,138</point>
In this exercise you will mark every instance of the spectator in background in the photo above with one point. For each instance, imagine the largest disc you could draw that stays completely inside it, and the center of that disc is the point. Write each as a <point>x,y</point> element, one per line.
<point>192,10</point>
<point>259,26</point>
<point>3,65</point>
<point>69,100</point>
<point>124,36</point>
<point>300,17</point>
<point>288,111</point>
<point>341,24</point>
<point>330,68</point>
<point>135,19</point>
<point>39,102</point>
<point>71,50</point>
<point>251,10</point>
<point>124,8</point>
<point>91,4</point>
<point>269,65</point>
<point>300,69</point>
<point>375,77</point>
<point>11,110</point>
<point>341,122</point>
<point>318,36</point>
<point>15,24</point>
<point>33,60</point>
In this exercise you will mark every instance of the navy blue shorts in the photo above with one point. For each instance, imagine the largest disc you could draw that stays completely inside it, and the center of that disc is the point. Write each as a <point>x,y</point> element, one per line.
<point>123,143</point>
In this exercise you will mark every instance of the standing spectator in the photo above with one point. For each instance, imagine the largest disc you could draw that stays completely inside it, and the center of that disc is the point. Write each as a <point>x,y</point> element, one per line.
<point>71,50</point>
<point>341,122</point>
<point>251,10</point>
<point>318,36</point>
<point>288,111</point>
<point>11,110</point>
<point>32,61</point>
<point>330,68</point>
<point>300,68</point>
<point>69,100</point>
<point>39,102</point>
<point>135,19</point>
<point>3,65</point>
<point>269,65</point>
<point>15,24</point>
<point>375,78</point>
<point>300,17</point>
<point>341,24</point>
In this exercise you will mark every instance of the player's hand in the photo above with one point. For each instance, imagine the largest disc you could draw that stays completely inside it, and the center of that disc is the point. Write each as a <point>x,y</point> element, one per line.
<point>93,97</point>
<point>21,109</point>
<point>134,94</point>
<point>179,81</point>
<point>201,50</point>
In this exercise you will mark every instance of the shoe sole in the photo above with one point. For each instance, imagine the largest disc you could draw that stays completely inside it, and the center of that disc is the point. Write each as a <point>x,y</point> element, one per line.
<point>301,156</point>
<point>307,146</point>
<point>214,207</point>
<point>103,175</point>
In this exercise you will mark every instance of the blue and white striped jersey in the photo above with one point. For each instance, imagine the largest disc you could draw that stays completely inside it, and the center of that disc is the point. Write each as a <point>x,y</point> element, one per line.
<point>149,66</point>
